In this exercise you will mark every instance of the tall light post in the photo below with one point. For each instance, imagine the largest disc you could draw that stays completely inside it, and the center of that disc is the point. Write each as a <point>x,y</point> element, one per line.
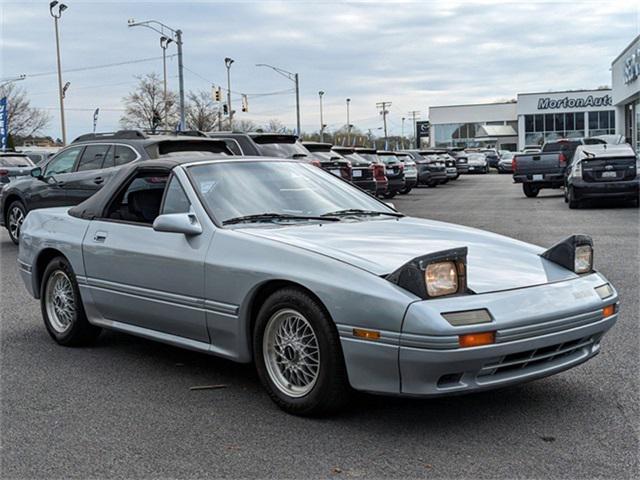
<point>56,13</point>
<point>10,80</point>
<point>348,123</point>
<point>320,94</point>
<point>295,79</point>
<point>402,136</point>
<point>227,63</point>
<point>175,36</point>
<point>164,43</point>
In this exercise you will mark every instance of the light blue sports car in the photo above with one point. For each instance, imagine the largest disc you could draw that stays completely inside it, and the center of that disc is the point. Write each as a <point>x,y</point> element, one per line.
<point>325,288</point>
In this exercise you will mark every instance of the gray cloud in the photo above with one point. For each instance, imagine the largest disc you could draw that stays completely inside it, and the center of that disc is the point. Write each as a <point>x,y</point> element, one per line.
<point>415,54</point>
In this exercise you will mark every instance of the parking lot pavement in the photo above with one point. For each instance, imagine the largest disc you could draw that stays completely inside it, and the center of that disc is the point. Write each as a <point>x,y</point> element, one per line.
<point>124,407</point>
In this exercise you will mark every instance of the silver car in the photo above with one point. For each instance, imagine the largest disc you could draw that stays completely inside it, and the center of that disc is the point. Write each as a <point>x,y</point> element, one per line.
<point>325,288</point>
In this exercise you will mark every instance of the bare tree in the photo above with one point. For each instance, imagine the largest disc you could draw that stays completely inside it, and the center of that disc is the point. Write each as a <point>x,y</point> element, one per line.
<point>145,106</point>
<point>244,125</point>
<point>23,119</point>
<point>275,126</point>
<point>202,111</point>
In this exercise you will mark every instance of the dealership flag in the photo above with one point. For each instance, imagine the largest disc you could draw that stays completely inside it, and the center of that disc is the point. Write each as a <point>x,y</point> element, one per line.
<point>4,123</point>
<point>95,119</point>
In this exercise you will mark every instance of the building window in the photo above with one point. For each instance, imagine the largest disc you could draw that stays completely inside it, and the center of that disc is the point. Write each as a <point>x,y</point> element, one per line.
<point>602,123</point>
<point>456,134</point>
<point>541,128</point>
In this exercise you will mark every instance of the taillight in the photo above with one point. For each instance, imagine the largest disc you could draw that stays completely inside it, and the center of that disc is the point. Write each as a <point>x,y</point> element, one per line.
<point>379,171</point>
<point>514,164</point>
<point>345,172</point>
<point>563,160</point>
<point>315,163</point>
<point>4,173</point>
<point>402,167</point>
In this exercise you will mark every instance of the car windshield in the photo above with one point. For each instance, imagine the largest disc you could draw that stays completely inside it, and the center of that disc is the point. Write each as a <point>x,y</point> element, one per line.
<point>356,159</point>
<point>15,161</point>
<point>372,157</point>
<point>238,189</point>
<point>283,150</point>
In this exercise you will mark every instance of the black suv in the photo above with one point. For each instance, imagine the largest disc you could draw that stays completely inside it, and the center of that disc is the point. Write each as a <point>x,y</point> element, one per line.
<point>329,160</point>
<point>79,170</point>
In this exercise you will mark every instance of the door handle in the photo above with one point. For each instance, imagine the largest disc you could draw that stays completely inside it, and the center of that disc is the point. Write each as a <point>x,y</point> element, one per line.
<point>98,180</point>
<point>100,236</point>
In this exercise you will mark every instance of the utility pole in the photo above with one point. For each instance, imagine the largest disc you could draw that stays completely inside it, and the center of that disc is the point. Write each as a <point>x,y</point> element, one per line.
<point>56,16</point>
<point>348,124</point>
<point>164,43</point>
<point>320,94</point>
<point>414,115</point>
<point>383,111</point>
<point>296,80</point>
<point>176,36</point>
<point>227,63</point>
<point>402,137</point>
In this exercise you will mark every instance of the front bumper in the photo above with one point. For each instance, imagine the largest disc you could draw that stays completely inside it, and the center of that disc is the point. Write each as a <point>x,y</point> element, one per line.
<point>621,189</point>
<point>395,184</point>
<point>540,331</point>
<point>463,168</point>
<point>452,172</point>
<point>477,168</point>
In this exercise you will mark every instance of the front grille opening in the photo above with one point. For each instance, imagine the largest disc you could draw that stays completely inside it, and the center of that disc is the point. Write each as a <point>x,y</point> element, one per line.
<point>449,380</point>
<point>520,361</point>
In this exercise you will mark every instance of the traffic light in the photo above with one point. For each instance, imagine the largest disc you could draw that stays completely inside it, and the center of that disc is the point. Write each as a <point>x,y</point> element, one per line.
<point>245,103</point>
<point>225,109</point>
<point>217,94</point>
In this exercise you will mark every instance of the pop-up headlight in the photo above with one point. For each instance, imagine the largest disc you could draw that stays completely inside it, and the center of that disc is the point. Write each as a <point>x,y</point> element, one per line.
<point>434,275</point>
<point>574,253</point>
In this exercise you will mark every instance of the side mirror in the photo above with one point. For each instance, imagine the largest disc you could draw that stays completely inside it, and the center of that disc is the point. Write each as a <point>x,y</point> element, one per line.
<point>185,223</point>
<point>36,172</point>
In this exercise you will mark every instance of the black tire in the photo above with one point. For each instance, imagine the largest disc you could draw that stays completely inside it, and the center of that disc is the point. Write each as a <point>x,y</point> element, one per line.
<point>405,190</point>
<point>574,203</point>
<point>389,195</point>
<point>635,202</point>
<point>432,184</point>
<point>16,208</point>
<point>529,190</point>
<point>331,390</point>
<point>79,332</point>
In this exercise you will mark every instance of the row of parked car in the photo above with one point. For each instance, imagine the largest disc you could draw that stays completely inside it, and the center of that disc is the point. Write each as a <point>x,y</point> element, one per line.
<point>585,168</point>
<point>77,171</point>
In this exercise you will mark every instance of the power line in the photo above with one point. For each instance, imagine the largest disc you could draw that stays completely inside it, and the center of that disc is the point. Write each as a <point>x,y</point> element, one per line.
<point>97,67</point>
<point>383,111</point>
<point>265,94</point>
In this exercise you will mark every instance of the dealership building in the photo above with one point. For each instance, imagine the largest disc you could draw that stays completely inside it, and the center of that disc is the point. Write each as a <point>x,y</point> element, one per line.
<point>535,118</point>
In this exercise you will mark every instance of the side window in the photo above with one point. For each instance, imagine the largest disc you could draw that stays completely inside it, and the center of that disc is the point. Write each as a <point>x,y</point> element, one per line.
<point>109,158</point>
<point>140,201</point>
<point>64,162</point>
<point>124,155</point>
<point>175,200</point>
<point>93,157</point>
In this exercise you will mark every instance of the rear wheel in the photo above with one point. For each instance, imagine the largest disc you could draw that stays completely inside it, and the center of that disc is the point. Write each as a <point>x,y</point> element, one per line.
<point>62,308</point>
<point>298,355</point>
<point>389,195</point>
<point>15,216</point>
<point>572,200</point>
<point>529,190</point>
<point>405,190</point>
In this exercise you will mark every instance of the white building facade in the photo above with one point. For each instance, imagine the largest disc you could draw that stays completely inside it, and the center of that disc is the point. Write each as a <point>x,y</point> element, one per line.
<point>535,118</point>
<point>625,82</point>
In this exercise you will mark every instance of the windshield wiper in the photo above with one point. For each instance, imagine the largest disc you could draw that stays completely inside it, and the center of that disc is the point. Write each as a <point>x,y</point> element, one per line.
<point>357,211</point>
<point>261,217</point>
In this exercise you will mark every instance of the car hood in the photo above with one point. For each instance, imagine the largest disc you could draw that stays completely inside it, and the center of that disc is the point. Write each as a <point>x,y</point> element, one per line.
<point>381,246</point>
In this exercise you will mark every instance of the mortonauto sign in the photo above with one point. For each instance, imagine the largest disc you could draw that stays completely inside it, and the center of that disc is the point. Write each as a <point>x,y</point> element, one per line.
<point>548,103</point>
<point>632,67</point>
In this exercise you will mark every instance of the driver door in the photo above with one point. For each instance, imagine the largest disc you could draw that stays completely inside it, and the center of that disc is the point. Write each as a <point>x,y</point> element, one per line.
<point>142,277</point>
<point>52,190</point>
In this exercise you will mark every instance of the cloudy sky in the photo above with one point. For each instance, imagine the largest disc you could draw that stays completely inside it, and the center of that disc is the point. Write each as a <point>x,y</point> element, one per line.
<point>414,54</point>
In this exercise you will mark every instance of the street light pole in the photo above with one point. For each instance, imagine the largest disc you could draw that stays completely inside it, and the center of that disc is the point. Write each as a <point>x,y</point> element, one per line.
<point>227,63</point>
<point>296,80</point>
<point>176,36</point>
<point>348,124</point>
<point>56,16</point>
<point>402,136</point>
<point>320,94</point>
<point>164,43</point>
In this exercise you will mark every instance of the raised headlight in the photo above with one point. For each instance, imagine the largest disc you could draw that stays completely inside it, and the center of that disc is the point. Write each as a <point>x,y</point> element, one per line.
<point>583,260</point>
<point>434,275</point>
<point>441,279</point>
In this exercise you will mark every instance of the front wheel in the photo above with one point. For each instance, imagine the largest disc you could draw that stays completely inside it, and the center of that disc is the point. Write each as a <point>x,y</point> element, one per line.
<point>61,305</point>
<point>15,216</point>
<point>405,190</point>
<point>298,355</point>
<point>529,190</point>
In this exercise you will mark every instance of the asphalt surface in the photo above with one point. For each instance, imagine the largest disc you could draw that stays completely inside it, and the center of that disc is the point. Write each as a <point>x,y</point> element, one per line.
<point>124,408</point>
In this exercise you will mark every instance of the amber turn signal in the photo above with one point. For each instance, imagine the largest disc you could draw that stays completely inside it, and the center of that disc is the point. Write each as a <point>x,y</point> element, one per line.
<point>366,334</point>
<point>477,339</point>
<point>609,310</point>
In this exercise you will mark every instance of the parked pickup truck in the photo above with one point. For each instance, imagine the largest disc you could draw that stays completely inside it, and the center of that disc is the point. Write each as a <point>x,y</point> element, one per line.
<point>546,169</point>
